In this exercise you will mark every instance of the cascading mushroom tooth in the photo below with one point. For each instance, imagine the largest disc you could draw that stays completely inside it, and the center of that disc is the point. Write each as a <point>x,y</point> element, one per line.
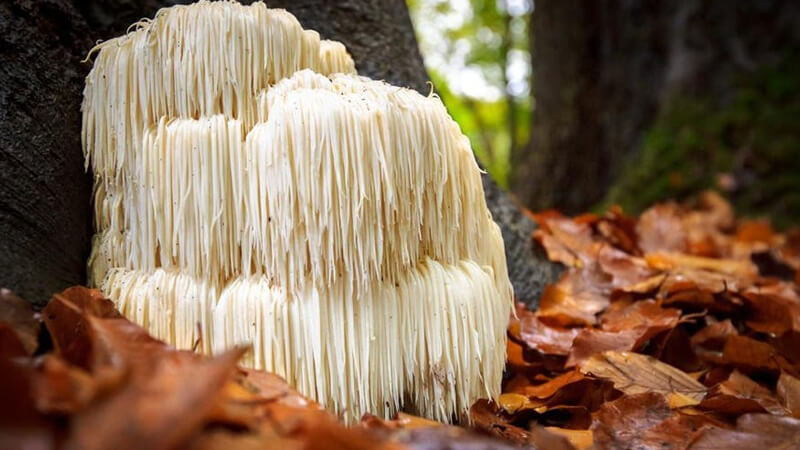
<point>257,191</point>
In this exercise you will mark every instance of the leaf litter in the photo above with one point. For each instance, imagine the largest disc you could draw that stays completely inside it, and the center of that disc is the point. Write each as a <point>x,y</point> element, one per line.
<point>676,329</point>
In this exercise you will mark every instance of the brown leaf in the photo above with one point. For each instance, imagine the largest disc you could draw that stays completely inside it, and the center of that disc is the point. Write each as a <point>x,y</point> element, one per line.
<point>638,421</point>
<point>19,329</point>
<point>773,314</point>
<point>673,261</point>
<point>739,395</point>
<point>545,438</point>
<point>618,229</point>
<point>453,438</point>
<point>591,341</point>
<point>788,390</point>
<point>751,355</point>
<point>566,241</point>
<point>10,344</point>
<point>753,431</point>
<point>643,314</point>
<point>21,425</point>
<point>574,300</point>
<point>661,228</point>
<point>580,439</point>
<point>546,339</point>
<point>66,319</point>
<point>714,335</point>
<point>633,373</point>
<point>550,387</point>
<point>160,411</point>
<point>487,417</point>
<point>62,389</point>
<point>624,269</point>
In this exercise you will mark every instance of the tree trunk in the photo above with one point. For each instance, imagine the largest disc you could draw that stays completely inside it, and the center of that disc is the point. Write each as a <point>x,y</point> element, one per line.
<point>603,70</point>
<point>44,192</point>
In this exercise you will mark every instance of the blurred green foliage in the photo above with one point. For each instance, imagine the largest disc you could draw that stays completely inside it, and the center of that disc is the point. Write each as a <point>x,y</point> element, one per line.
<point>476,52</point>
<point>748,146</point>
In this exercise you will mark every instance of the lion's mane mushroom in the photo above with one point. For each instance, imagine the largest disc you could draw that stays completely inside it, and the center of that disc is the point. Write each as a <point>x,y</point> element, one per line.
<point>250,188</point>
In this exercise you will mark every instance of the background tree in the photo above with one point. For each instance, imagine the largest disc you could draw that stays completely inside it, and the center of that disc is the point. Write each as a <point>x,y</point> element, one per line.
<point>632,102</point>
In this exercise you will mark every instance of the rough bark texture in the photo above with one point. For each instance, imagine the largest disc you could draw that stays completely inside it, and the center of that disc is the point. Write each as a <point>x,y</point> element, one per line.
<point>603,70</point>
<point>44,193</point>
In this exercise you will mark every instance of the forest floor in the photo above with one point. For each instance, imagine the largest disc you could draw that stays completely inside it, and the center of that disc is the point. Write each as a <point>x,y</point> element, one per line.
<point>679,328</point>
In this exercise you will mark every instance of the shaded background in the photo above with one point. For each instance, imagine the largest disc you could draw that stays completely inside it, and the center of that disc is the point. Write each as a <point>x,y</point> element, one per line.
<point>577,105</point>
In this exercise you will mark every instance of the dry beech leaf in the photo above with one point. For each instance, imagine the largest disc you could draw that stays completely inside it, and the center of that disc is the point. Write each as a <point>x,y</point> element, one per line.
<point>17,315</point>
<point>549,388</point>
<point>788,390</point>
<point>753,431</point>
<point>644,421</point>
<point>750,355</point>
<point>624,269</point>
<point>546,339</point>
<point>574,299</point>
<point>661,228</point>
<point>580,439</point>
<point>591,341</point>
<point>714,335</point>
<point>566,241</point>
<point>66,318</point>
<point>486,417</point>
<point>645,313</point>
<point>771,313</point>
<point>740,395</point>
<point>633,373</point>
<point>671,261</point>
<point>544,438</point>
<point>159,412</point>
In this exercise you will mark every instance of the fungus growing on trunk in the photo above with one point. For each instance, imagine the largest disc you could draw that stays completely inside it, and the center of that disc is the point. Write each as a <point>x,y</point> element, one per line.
<point>251,188</point>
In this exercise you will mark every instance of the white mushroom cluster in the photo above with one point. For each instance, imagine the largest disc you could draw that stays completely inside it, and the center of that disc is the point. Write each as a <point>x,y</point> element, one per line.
<point>250,188</point>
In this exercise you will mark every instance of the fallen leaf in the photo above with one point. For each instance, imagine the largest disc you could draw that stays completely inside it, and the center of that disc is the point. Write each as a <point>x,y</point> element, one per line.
<point>591,341</point>
<point>541,337</point>
<point>161,411</point>
<point>673,261</point>
<point>633,373</point>
<point>773,314</point>
<point>545,438</point>
<point>452,438</point>
<point>574,299</point>
<point>661,228</point>
<point>714,335</point>
<point>750,355</point>
<point>65,317</point>
<point>580,439</point>
<point>753,431</point>
<point>625,423</point>
<point>788,390</point>
<point>22,426</point>
<point>18,315</point>
<point>624,269</point>
<point>487,417</point>
<point>619,230</point>
<point>566,241</point>
<point>62,389</point>
<point>512,402</point>
<point>739,395</point>
<point>550,387</point>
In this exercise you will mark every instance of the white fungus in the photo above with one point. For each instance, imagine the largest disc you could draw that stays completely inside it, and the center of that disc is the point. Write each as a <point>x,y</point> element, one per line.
<point>251,188</point>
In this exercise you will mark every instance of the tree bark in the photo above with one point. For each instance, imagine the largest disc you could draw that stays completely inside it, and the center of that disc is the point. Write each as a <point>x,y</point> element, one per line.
<point>603,70</point>
<point>44,192</point>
